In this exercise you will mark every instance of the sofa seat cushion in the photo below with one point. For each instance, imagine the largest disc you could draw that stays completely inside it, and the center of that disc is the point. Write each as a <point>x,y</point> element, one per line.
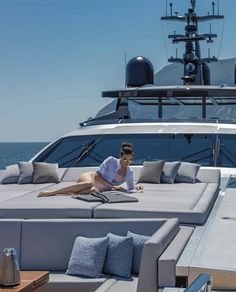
<point>176,187</point>
<point>30,206</point>
<point>11,191</point>
<point>23,188</point>
<point>188,206</point>
<point>152,200</point>
<point>60,282</point>
<point>129,285</point>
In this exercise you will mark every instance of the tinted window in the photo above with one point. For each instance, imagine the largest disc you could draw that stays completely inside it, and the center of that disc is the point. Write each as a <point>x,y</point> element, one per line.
<point>183,147</point>
<point>227,154</point>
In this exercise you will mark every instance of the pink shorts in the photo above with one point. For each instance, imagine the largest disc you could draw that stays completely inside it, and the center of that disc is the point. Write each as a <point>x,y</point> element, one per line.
<point>91,176</point>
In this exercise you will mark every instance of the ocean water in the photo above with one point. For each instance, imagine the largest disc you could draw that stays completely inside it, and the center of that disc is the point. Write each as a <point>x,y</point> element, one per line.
<point>10,153</point>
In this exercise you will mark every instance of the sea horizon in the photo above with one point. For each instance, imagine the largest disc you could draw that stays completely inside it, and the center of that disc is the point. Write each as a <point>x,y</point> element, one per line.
<point>13,152</point>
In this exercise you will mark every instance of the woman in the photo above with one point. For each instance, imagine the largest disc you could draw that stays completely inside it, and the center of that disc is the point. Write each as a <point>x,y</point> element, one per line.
<point>110,175</point>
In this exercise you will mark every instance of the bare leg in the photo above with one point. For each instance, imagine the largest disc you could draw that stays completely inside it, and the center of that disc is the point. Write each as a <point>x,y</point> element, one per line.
<point>84,185</point>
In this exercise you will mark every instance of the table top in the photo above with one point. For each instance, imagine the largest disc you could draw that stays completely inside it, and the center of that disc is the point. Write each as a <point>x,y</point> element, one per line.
<point>30,281</point>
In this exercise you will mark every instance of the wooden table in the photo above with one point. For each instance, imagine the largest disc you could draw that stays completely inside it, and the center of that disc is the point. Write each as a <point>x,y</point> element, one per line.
<point>30,281</point>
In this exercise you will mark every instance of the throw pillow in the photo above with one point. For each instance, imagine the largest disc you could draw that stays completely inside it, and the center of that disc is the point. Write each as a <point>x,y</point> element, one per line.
<point>187,172</point>
<point>138,241</point>
<point>11,174</point>
<point>88,256</point>
<point>26,172</point>
<point>169,172</point>
<point>119,256</point>
<point>45,173</point>
<point>151,172</point>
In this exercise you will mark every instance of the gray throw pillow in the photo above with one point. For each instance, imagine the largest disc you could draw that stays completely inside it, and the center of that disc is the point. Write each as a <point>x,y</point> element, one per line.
<point>187,172</point>
<point>119,256</point>
<point>45,173</point>
<point>138,241</point>
<point>11,174</point>
<point>170,171</point>
<point>26,172</point>
<point>151,172</point>
<point>88,256</point>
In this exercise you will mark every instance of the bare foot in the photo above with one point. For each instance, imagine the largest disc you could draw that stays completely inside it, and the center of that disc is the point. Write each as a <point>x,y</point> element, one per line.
<point>46,194</point>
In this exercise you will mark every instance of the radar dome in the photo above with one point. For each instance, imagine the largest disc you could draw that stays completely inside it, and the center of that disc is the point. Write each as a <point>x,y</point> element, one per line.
<point>139,72</point>
<point>206,74</point>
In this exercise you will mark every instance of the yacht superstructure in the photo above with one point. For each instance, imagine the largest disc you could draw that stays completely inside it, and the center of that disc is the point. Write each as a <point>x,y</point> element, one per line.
<point>204,139</point>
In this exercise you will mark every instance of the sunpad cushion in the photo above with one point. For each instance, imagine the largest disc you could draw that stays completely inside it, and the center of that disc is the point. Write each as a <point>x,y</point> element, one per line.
<point>26,172</point>
<point>11,174</point>
<point>151,172</point>
<point>45,173</point>
<point>88,256</point>
<point>119,256</point>
<point>187,172</point>
<point>138,241</point>
<point>169,172</point>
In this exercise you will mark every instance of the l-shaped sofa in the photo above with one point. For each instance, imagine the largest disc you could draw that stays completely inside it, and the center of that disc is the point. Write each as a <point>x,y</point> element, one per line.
<point>46,244</point>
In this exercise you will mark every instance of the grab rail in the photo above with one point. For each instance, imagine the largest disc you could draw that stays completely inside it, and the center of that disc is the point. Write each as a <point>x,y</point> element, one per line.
<point>203,283</point>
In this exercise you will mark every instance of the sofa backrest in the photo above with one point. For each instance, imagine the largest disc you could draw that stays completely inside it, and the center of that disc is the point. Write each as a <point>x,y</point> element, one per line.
<point>204,174</point>
<point>72,174</point>
<point>10,235</point>
<point>47,244</point>
<point>208,175</point>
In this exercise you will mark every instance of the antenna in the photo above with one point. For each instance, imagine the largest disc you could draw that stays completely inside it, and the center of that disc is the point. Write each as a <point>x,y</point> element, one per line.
<point>218,7</point>
<point>125,68</point>
<point>213,8</point>
<point>171,9</point>
<point>193,2</point>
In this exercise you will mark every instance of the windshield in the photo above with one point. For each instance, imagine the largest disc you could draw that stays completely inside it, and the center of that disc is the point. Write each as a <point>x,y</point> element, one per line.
<point>170,147</point>
<point>142,112</point>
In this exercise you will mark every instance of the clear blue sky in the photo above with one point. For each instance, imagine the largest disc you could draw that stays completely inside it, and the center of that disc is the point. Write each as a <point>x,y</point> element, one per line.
<point>56,56</point>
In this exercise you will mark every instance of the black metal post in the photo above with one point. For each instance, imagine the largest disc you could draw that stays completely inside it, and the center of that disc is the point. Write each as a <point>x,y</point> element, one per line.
<point>204,107</point>
<point>160,107</point>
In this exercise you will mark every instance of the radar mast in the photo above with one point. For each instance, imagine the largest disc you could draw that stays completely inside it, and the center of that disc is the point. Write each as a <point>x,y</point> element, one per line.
<point>196,70</point>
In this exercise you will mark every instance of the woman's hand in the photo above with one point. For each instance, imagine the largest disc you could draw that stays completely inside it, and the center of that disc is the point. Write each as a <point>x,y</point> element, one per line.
<point>139,188</point>
<point>118,188</point>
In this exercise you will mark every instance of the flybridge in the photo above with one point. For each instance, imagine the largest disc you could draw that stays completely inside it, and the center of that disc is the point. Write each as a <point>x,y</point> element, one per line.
<point>196,89</point>
<point>176,95</point>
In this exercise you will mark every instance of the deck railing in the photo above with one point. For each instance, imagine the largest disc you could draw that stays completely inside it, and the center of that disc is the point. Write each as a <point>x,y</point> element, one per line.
<point>203,283</point>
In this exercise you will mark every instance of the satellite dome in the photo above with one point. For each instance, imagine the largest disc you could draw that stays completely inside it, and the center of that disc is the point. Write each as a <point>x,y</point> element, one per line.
<point>139,72</point>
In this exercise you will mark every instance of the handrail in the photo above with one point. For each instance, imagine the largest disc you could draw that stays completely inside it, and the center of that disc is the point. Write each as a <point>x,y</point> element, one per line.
<point>203,283</point>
